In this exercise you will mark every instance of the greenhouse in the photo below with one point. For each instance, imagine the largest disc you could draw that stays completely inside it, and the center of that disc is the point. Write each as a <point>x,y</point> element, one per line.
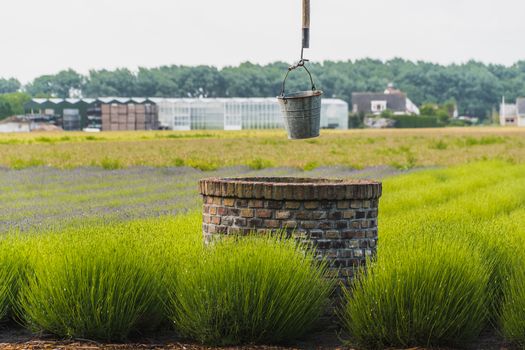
<point>238,113</point>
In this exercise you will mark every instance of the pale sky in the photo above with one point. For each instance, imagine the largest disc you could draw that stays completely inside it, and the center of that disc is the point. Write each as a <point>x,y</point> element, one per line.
<point>42,37</point>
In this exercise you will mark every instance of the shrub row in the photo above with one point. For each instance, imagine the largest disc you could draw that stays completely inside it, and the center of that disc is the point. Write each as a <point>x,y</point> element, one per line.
<point>450,261</point>
<point>111,282</point>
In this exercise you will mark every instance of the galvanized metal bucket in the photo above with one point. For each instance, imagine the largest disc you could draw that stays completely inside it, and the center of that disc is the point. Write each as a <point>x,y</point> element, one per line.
<point>301,110</point>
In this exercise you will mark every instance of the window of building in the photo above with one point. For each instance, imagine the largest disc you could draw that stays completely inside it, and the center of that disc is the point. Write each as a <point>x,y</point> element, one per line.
<point>378,106</point>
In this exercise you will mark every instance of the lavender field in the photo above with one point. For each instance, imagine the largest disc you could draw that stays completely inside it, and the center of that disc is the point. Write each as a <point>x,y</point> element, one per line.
<point>44,197</point>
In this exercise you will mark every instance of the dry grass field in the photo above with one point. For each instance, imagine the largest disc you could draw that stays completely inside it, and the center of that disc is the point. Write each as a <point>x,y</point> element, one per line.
<point>210,150</point>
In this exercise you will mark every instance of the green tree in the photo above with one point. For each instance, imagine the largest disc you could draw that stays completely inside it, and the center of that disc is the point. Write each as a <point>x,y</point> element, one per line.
<point>5,109</point>
<point>58,85</point>
<point>9,85</point>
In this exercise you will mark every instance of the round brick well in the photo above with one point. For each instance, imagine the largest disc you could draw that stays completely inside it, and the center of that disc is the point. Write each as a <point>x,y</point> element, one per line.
<point>338,217</point>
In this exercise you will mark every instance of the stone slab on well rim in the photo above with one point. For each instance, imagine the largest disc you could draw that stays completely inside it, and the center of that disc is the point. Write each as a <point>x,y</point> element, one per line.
<point>290,188</point>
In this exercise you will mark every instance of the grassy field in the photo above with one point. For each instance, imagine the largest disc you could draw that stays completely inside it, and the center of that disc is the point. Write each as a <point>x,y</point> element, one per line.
<point>209,150</point>
<point>450,264</point>
<point>108,253</point>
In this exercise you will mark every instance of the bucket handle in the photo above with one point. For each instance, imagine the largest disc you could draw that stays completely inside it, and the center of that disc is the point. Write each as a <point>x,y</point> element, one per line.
<point>295,66</point>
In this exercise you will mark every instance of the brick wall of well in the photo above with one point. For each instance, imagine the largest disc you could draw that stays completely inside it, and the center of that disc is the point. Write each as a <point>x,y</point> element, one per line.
<point>337,217</point>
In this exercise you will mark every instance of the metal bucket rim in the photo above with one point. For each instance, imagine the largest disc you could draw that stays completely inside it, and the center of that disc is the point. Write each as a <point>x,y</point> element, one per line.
<point>301,94</point>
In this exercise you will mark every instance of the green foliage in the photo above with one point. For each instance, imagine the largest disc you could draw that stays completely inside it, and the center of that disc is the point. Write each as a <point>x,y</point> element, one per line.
<point>310,166</point>
<point>449,242</point>
<point>417,297</point>
<point>476,87</point>
<point>104,282</point>
<point>5,110</point>
<point>20,163</point>
<point>250,290</point>
<point>13,265</point>
<point>12,103</point>
<point>9,85</point>
<point>110,164</point>
<point>513,309</point>
<point>58,85</point>
<point>259,163</point>
<point>414,121</point>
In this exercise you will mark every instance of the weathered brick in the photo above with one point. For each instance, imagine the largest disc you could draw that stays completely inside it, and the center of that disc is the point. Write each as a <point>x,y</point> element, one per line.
<point>213,210</point>
<point>247,213</point>
<point>311,205</point>
<point>300,234</point>
<point>319,215</point>
<point>227,220</point>
<point>347,234</point>
<point>303,215</point>
<point>273,204</point>
<point>264,213</point>
<point>344,253</point>
<point>205,209</point>
<point>366,204</point>
<point>217,200</point>
<point>343,204</point>
<point>234,211</point>
<point>212,229</point>
<point>216,220</point>
<point>292,205</point>
<point>338,244</point>
<point>241,203</point>
<point>254,222</point>
<point>372,214</point>
<point>332,234</point>
<point>326,225</point>
<point>356,224</point>
<point>316,234</point>
<point>355,204</point>
<point>272,223</point>
<point>290,224</point>
<point>349,214</point>
<point>371,233</point>
<point>335,215</point>
<point>209,200</point>
<point>221,229</point>
<point>283,214</point>
<point>340,225</point>
<point>256,203</point>
<point>326,205</point>
<point>239,222</point>
<point>360,234</point>
<point>352,244</point>
<point>360,214</point>
<point>308,225</point>
<point>206,219</point>
<point>234,231</point>
<point>222,211</point>
<point>323,243</point>
<point>229,202</point>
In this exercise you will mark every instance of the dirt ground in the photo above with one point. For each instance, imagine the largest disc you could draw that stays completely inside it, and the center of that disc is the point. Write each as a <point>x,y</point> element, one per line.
<point>16,338</point>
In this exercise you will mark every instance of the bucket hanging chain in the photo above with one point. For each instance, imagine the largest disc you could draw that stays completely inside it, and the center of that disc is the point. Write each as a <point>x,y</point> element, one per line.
<point>305,45</point>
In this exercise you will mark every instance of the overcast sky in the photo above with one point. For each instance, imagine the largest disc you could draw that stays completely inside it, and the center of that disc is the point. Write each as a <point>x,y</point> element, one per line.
<point>42,37</point>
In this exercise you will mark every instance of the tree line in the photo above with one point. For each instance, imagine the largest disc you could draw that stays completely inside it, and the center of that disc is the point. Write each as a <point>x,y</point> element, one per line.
<point>476,87</point>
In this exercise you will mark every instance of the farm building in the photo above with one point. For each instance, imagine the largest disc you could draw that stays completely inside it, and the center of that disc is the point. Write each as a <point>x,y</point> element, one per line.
<point>512,114</point>
<point>120,114</point>
<point>238,113</point>
<point>391,99</point>
<point>108,113</point>
<point>117,113</point>
<point>70,113</point>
